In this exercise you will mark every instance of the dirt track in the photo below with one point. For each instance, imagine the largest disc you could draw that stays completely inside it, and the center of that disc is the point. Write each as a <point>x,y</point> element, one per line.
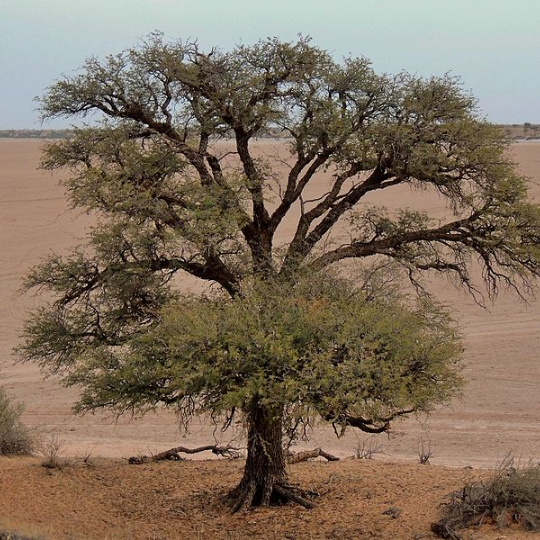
<point>498,413</point>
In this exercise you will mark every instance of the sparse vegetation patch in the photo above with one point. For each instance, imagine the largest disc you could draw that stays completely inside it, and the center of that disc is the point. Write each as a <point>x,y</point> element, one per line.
<point>8,535</point>
<point>15,437</point>
<point>52,454</point>
<point>510,496</point>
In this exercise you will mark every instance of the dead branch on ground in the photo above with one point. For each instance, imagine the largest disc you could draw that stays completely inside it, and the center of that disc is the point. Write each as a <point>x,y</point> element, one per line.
<point>297,457</point>
<point>229,452</point>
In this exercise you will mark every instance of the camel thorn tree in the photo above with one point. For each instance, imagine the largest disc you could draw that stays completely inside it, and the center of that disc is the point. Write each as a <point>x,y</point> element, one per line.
<point>171,168</point>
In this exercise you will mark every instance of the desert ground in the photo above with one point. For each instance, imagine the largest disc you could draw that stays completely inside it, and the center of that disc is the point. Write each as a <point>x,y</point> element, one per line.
<point>110,500</point>
<point>497,414</point>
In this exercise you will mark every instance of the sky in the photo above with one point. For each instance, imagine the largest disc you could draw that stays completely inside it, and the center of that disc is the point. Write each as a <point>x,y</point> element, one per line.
<point>492,45</point>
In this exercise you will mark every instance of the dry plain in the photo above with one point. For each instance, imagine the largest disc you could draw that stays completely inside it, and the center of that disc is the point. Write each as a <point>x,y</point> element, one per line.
<point>497,414</point>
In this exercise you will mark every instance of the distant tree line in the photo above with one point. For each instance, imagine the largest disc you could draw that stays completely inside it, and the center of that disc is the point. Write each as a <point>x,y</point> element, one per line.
<point>527,130</point>
<point>269,133</point>
<point>35,133</point>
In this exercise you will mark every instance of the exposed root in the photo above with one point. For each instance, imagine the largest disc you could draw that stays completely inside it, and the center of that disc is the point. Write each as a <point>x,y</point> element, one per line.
<point>249,495</point>
<point>290,493</point>
<point>309,454</point>
<point>242,497</point>
<point>174,453</point>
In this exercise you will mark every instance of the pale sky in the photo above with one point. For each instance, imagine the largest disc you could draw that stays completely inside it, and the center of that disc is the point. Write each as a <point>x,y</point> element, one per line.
<point>493,45</point>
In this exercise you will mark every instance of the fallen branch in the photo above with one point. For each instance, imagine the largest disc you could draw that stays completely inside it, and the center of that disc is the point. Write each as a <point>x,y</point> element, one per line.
<point>297,457</point>
<point>174,453</point>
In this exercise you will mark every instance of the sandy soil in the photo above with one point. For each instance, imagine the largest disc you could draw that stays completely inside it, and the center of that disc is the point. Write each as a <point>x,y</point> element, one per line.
<point>497,414</point>
<point>183,500</point>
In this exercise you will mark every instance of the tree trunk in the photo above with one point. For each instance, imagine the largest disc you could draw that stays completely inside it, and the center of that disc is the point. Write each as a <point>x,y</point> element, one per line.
<point>265,479</point>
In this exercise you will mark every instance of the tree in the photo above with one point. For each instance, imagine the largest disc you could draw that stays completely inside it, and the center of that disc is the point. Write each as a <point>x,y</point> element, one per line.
<point>173,172</point>
<point>284,354</point>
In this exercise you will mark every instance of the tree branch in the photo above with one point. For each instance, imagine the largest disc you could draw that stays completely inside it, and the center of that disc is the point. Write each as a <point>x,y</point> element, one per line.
<point>304,241</point>
<point>368,425</point>
<point>452,232</point>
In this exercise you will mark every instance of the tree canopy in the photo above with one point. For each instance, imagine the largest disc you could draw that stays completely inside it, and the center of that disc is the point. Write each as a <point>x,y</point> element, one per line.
<point>172,170</point>
<point>369,133</point>
<point>320,347</point>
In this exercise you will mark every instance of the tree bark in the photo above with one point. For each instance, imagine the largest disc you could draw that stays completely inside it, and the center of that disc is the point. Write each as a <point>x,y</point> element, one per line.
<point>265,479</point>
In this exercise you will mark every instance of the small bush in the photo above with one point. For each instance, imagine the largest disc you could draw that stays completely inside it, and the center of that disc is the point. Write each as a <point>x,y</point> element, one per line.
<point>15,437</point>
<point>367,448</point>
<point>52,450</point>
<point>512,495</point>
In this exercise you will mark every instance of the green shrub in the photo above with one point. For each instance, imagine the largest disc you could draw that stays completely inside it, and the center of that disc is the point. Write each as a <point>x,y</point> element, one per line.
<point>15,437</point>
<point>511,495</point>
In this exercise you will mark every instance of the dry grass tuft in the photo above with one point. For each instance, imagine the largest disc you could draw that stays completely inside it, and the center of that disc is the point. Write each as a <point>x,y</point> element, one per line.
<point>510,496</point>
<point>52,454</point>
<point>368,448</point>
<point>423,451</point>
<point>9,535</point>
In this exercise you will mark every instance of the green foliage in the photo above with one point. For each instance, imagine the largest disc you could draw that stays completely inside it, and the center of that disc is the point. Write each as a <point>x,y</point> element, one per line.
<point>318,347</point>
<point>15,438</point>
